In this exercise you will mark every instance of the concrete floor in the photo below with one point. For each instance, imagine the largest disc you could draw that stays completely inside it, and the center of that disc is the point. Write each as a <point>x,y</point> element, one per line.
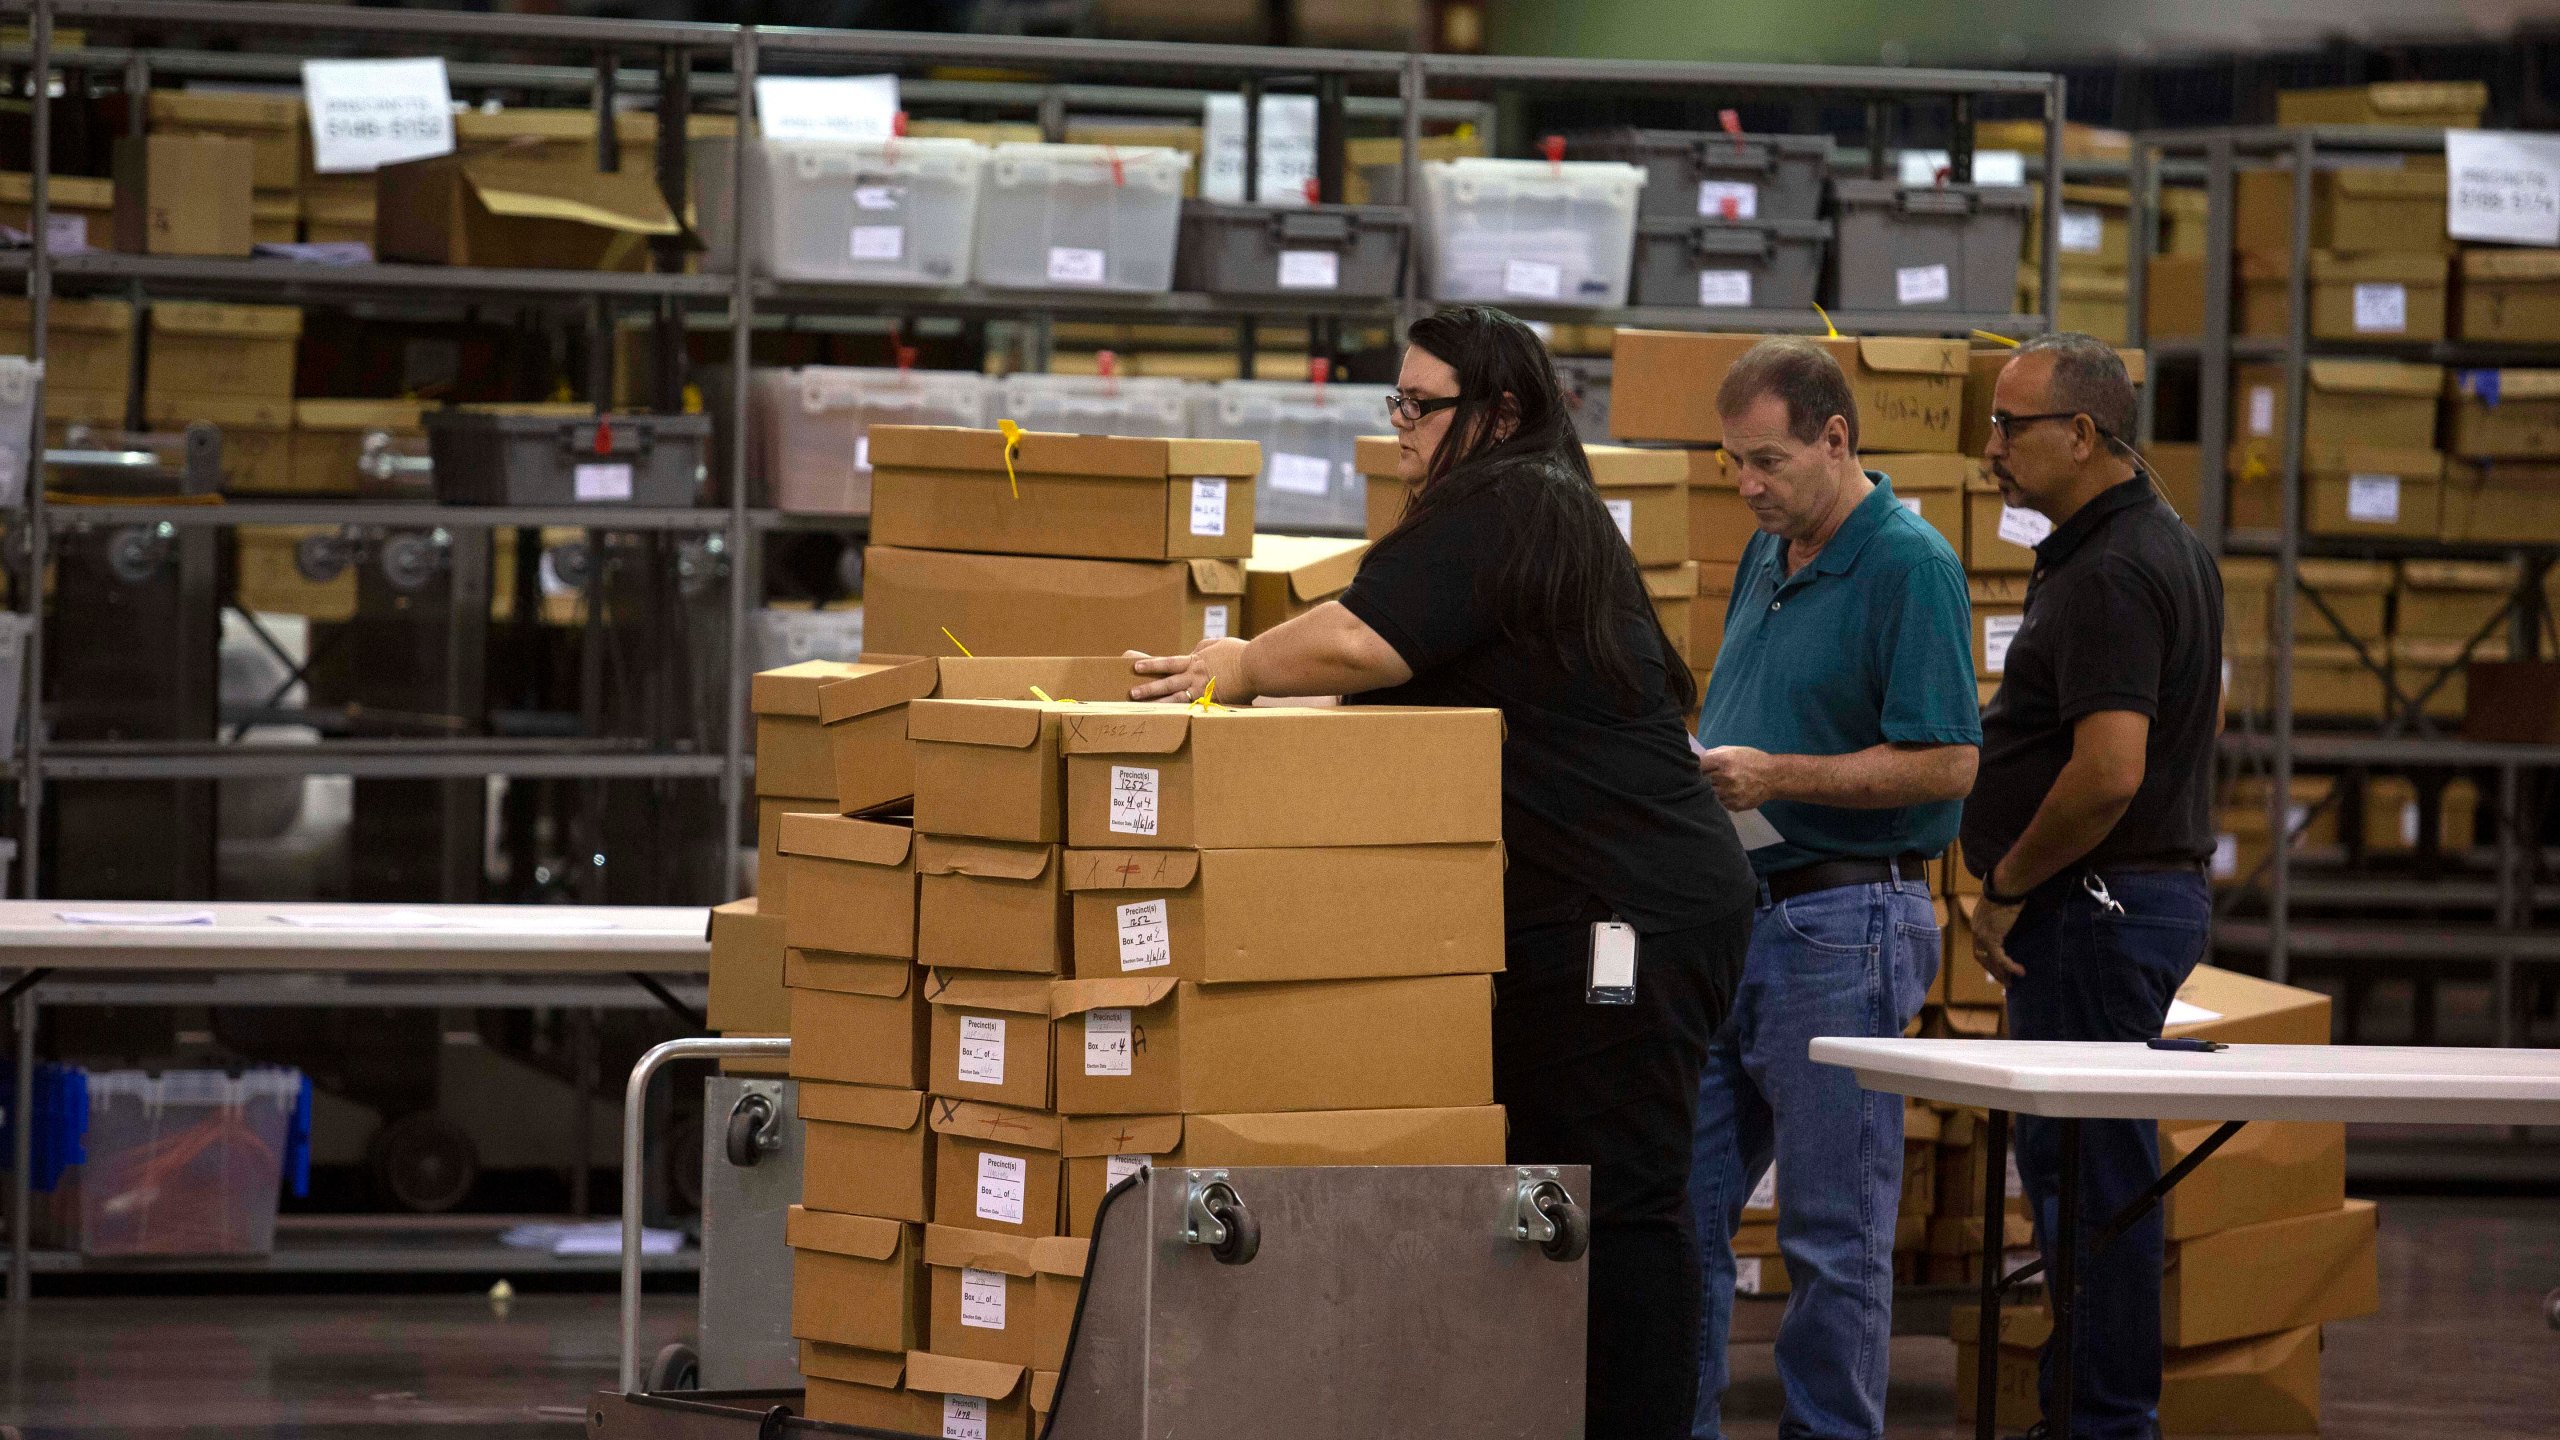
<point>2460,1349</point>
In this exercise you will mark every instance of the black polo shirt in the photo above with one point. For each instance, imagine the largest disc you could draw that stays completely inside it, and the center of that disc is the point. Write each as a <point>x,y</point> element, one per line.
<point>2124,612</point>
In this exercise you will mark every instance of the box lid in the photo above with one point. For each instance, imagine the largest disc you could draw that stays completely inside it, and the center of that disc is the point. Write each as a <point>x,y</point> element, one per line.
<point>1672,582</point>
<point>863,1237</point>
<point>2409,97</point>
<point>2373,460</point>
<point>1003,724</point>
<point>982,859</point>
<point>995,1124</point>
<point>953,1248</point>
<point>988,990</point>
<point>499,127</point>
<point>238,322</point>
<point>1376,455</point>
<point>1066,677</point>
<point>63,192</point>
<point>1615,467</point>
<point>866,1105</point>
<point>359,415</point>
<point>1318,566</point>
<point>2492,388</point>
<point>2380,183</point>
<point>2375,377</point>
<point>1044,1390</point>
<point>878,682</point>
<point>2494,264</point>
<point>235,412</point>
<point>883,977</point>
<point>879,1369</point>
<point>226,109</point>
<point>1075,997</point>
<point>793,689</point>
<point>550,182</point>
<point>2482,575</point>
<point>1903,354</point>
<point>1131,869</point>
<point>1090,1135</point>
<point>1060,1255</point>
<point>842,837</point>
<point>1217,577</point>
<point>951,447</point>
<point>101,317</point>
<point>951,1375</point>
<point>2404,266</point>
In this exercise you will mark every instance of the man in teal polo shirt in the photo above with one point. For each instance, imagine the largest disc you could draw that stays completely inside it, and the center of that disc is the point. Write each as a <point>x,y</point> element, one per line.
<point>1841,728</point>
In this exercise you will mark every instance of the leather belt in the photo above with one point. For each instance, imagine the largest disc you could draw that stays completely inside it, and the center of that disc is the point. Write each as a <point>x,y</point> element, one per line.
<point>1832,874</point>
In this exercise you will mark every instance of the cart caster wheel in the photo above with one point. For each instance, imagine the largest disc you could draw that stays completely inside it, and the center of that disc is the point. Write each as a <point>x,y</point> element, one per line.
<point>1573,1227</point>
<point>1244,1233</point>
<point>425,1162</point>
<point>676,1368</point>
<point>745,1140</point>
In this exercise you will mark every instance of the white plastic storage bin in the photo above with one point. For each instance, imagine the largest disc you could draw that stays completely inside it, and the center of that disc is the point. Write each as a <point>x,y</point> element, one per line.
<point>1080,217</point>
<point>813,427</point>
<point>886,212</point>
<point>1307,433</point>
<point>1157,408</point>
<point>18,377</point>
<point>185,1162</point>
<point>1530,232</point>
<point>788,637</point>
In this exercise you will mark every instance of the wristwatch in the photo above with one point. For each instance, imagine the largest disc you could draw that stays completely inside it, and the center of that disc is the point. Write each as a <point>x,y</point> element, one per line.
<point>1992,893</point>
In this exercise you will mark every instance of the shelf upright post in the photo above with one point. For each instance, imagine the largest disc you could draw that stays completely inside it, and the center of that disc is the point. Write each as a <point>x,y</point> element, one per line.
<point>2049,270</point>
<point>2213,357</point>
<point>2289,564</point>
<point>2142,184</point>
<point>137,89</point>
<point>741,333</point>
<point>1411,87</point>
<point>2514,910</point>
<point>31,657</point>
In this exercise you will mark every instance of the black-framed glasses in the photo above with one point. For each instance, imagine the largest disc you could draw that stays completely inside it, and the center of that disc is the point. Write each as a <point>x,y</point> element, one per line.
<point>1410,409</point>
<point>2006,425</point>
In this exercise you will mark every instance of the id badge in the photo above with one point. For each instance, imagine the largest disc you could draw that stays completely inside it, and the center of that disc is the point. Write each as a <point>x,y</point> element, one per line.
<point>1613,964</point>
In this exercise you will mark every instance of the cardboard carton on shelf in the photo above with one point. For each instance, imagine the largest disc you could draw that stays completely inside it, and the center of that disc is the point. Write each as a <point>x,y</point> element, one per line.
<point>2376,404</point>
<point>2095,225</point>
<point>2173,296</point>
<point>2451,599</point>
<point>2271,1170</point>
<point>1758,1268</point>
<point>2501,502</point>
<point>2000,539</point>
<point>2245,1010</point>
<point>184,195</point>
<point>523,191</point>
<point>1058,1265</point>
<point>2393,822</point>
<point>1673,589</point>
<point>1074,496</point>
<point>1642,491</point>
<point>2503,414</point>
<point>979,1397</point>
<point>2178,469</point>
<point>1165,778</point>
<point>865,1151</point>
<point>333,438</point>
<point>1910,392</point>
<point>2357,592</point>
<point>229,352</point>
<point>996,1169</point>
<point>856,1280</point>
<point>257,436</point>
<point>853,883</point>
<point>2093,302</point>
<point>991,1038</point>
<point>274,219</point>
<point>1999,608</point>
<point>865,1388</point>
<point>2272,1276</point>
<point>338,210</point>
<point>746,994</point>
<point>2352,493</point>
<point>79,211</point>
<point>2369,295</point>
<point>1289,575</point>
<point>88,362</point>
<point>857,1019</point>
<point>2507,295</point>
<point>990,905</point>
<point>1103,1150</point>
<point>1931,487</point>
<point>271,124</point>
<point>1157,1047</point>
<point>2367,208</point>
<point>2265,1385</point>
<point>982,1295</point>
<point>2422,104</point>
<point>1038,605</point>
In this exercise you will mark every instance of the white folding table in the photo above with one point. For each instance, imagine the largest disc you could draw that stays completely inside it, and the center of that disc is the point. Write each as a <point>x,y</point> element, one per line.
<point>2074,1081</point>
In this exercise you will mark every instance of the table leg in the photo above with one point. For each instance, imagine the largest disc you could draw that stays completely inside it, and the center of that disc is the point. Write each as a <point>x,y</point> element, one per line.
<point>1995,1207</point>
<point>2065,1289</point>
<point>22,1158</point>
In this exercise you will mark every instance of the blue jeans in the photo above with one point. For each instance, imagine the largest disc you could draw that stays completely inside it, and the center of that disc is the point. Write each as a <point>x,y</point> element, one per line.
<point>1856,960</point>
<point>2093,974</point>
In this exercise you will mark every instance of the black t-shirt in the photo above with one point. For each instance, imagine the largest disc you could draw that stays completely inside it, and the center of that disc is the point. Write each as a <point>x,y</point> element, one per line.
<point>2124,612</point>
<point>1600,802</point>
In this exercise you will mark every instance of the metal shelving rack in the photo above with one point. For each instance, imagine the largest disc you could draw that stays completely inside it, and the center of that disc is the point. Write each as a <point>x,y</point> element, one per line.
<point>2407,740</point>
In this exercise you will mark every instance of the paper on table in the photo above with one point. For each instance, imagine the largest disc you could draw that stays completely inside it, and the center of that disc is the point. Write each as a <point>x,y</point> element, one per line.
<point>598,1237</point>
<point>535,918</point>
<point>404,918</point>
<point>2182,1013</point>
<point>135,917</point>
<point>1754,829</point>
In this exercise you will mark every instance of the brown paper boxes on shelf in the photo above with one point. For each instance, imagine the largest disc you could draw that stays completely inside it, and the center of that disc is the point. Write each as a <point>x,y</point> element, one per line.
<point>1910,392</point>
<point>935,602</point>
<point>184,195</point>
<point>524,191</point>
<point>1071,496</point>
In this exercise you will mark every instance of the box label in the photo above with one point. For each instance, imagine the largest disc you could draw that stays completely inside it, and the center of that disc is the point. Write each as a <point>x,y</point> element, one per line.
<point>1071,266</point>
<point>2084,232</point>
<point>862,451</point>
<point>1764,1196</point>
<point>826,107</point>
<point>981,1050</point>
<point>1622,513</point>
<point>2226,856</point>
<point>1146,942</point>
<point>982,1299</point>
<point>1722,288</point>
<point>1002,1182</point>
<point>1106,1042</point>
<point>1922,285</point>
<point>1213,622</point>
<point>2502,186</point>
<point>1746,1274</point>
<point>876,197</point>
<point>1133,800</point>
<point>1299,474</point>
<point>2024,528</point>
<point>1310,270</point>
<point>66,232</point>
<point>601,482</point>
<point>2409,823</point>
<point>1532,279</point>
<point>1997,632</point>
<point>2382,308</point>
<point>2262,409</point>
<point>1208,506</point>
<point>366,114</point>
<point>879,242</point>
<point>964,1417</point>
<point>1729,200</point>
<point>2373,499</point>
<point>1116,1168</point>
<point>1910,503</point>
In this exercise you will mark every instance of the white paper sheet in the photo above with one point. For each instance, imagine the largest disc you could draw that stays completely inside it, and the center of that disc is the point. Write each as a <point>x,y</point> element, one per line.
<point>2182,1013</point>
<point>135,917</point>
<point>405,918</point>
<point>1754,829</point>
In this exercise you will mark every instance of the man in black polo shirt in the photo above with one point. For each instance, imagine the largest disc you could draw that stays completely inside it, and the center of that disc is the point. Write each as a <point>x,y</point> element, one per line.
<point>2090,823</point>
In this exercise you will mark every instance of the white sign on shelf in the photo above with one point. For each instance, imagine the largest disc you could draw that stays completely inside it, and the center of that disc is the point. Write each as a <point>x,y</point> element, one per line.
<point>366,114</point>
<point>826,107</point>
<point>1990,167</point>
<point>1287,149</point>
<point>2502,186</point>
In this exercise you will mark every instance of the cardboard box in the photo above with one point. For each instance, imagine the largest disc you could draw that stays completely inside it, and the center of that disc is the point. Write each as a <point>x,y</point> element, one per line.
<point>2421,104</point>
<point>2503,414</point>
<point>2363,494</point>
<point>79,213</point>
<point>991,1039</point>
<point>1999,608</point>
<point>1035,605</point>
<point>1982,378</point>
<point>1243,915</point>
<point>857,1020</point>
<point>2266,1385</point>
<point>983,1295</point>
<point>773,878</point>
<point>2271,1170</point>
<point>866,1388</point>
<point>2358,592</point>
<point>272,124</point>
<point>855,884</point>
<point>224,352</point>
<point>989,768</point>
<point>865,1151</point>
<point>1057,1285</point>
<point>184,195</point>
<point>1910,392</point>
<point>1706,619</point>
<point>88,363</point>
<point>1641,489</point>
<point>2371,404</point>
<point>332,438</point>
<point>2173,296</point>
<point>856,1280</point>
<point>2094,225</point>
<point>1386,496</point>
<point>1102,1151</point>
<point>858,712</point>
<point>1999,538</point>
<point>1290,575</point>
<point>2502,502</point>
<point>2508,295</point>
<point>1967,983</point>
<point>1931,487</point>
<point>270,582</point>
<point>746,994</point>
<point>2392,822</point>
<point>2370,207</point>
<point>979,1398</point>
<point>1720,524</point>
<point>1161,777</point>
<point>257,436</point>
<point>996,1169</point>
<point>1079,496</point>
<point>338,209</point>
<point>2259,1279</point>
<point>1672,589</point>
<point>792,757</point>
<point>524,192</point>
<point>1160,1046</point>
<point>988,905</point>
<point>2246,1010</point>
<point>2371,295</point>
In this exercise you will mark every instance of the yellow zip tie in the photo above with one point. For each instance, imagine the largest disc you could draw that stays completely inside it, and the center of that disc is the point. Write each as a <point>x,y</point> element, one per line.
<point>1012,442</point>
<point>955,640</point>
<point>1826,323</point>
<point>1039,694</point>
<point>1208,697</point>
<point>1997,339</point>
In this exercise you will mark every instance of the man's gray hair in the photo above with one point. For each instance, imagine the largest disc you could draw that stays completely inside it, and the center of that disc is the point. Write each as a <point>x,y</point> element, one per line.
<point>2088,378</point>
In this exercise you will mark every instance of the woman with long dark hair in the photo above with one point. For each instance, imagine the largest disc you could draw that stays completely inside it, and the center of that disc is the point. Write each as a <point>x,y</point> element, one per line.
<point>1506,585</point>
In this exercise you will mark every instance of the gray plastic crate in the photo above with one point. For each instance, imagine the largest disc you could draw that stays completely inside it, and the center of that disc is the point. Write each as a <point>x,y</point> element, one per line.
<point>1761,264</point>
<point>1698,174</point>
<point>605,461</point>
<point>1350,250</point>
<point>1925,247</point>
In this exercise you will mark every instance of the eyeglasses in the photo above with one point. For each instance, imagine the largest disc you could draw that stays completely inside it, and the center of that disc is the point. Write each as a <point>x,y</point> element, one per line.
<point>2006,425</point>
<point>1410,409</point>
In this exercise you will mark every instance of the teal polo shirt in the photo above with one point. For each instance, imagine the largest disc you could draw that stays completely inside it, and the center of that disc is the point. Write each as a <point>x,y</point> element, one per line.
<point>1871,644</point>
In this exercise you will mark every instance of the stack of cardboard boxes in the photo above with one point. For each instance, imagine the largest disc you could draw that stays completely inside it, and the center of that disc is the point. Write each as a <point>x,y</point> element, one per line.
<point>1288,575</point>
<point>2502,428</point>
<point>88,365</point>
<point>232,366</point>
<point>274,129</point>
<point>2091,248</point>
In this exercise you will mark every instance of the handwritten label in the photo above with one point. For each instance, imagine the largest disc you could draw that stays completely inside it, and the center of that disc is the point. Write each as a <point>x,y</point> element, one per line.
<point>981,1050</point>
<point>2382,308</point>
<point>982,1298</point>
<point>1208,506</point>
<point>1622,513</point>
<point>2226,856</point>
<point>1133,800</point>
<point>1106,1042</point>
<point>2262,409</point>
<point>879,242</point>
<point>1116,1168</point>
<point>1299,474</point>
<point>1285,145</point>
<point>2084,232</point>
<point>1310,270</point>
<point>1922,285</point>
<point>1724,288</point>
<point>366,114</point>
<point>2373,499</point>
<point>1729,200</point>
<point>2503,186</point>
<point>826,107</point>
<point>878,197</point>
<point>1997,632</point>
<point>1764,1196</point>
<point>1002,1182</point>
<point>964,1417</point>
<point>1071,266</point>
<point>1532,279</point>
<point>2022,527</point>
<point>1146,940</point>
<point>1213,622</point>
<point>601,482</point>
<point>1746,1275</point>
